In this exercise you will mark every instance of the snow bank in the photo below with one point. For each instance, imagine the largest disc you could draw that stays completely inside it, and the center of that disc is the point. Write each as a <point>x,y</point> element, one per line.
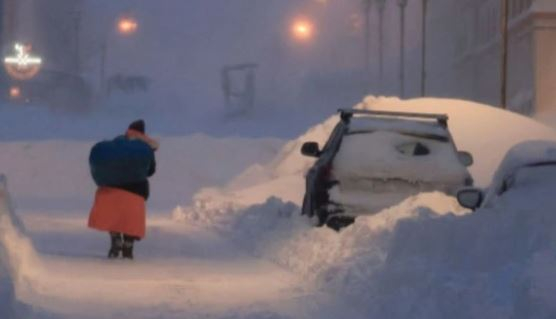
<point>275,230</point>
<point>19,262</point>
<point>423,258</point>
<point>184,165</point>
<point>495,263</point>
<point>475,128</point>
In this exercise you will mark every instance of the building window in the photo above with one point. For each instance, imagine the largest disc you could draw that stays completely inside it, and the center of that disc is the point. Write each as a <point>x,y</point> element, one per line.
<point>518,7</point>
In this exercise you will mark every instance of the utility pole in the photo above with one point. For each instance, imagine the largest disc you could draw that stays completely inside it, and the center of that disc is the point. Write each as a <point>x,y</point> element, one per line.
<point>77,36</point>
<point>103,54</point>
<point>381,8</point>
<point>504,13</point>
<point>424,48</point>
<point>367,11</point>
<point>403,5</point>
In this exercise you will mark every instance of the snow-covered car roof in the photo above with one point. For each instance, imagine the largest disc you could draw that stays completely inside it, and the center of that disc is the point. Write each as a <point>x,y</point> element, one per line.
<point>529,153</point>
<point>414,127</point>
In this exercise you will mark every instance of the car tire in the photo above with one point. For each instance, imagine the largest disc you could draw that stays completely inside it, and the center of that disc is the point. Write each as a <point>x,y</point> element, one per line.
<point>339,222</point>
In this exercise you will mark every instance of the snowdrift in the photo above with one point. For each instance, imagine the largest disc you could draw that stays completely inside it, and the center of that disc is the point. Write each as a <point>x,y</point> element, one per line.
<point>185,164</point>
<point>424,258</point>
<point>475,128</point>
<point>18,258</point>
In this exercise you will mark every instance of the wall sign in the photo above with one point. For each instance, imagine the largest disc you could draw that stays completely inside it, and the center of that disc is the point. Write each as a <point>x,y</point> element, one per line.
<point>22,65</point>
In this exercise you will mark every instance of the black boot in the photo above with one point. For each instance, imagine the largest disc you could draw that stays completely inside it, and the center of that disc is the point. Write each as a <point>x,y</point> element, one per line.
<point>127,248</point>
<point>116,244</point>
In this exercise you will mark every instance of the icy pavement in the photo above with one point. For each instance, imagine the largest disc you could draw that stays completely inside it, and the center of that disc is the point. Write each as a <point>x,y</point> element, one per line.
<point>179,272</point>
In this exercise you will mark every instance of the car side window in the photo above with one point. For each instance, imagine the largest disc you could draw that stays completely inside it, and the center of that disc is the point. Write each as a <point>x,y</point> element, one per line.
<point>413,149</point>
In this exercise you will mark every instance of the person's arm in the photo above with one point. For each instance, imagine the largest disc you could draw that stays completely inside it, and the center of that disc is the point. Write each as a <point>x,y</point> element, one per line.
<point>152,169</point>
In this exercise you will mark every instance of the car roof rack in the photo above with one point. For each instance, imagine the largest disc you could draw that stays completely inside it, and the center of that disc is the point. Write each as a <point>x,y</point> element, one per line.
<point>347,114</point>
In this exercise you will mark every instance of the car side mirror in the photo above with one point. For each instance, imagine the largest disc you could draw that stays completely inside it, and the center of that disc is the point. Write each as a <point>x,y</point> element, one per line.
<point>471,198</point>
<point>310,149</point>
<point>465,158</point>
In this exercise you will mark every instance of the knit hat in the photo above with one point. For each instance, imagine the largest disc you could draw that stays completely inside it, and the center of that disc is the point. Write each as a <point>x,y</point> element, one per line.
<point>138,126</point>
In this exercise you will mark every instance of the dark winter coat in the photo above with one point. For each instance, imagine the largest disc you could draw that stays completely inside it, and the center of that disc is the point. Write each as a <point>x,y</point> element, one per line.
<point>141,188</point>
<point>121,208</point>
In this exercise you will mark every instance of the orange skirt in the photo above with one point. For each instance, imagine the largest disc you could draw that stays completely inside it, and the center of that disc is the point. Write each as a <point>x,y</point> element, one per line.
<point>116,210</point>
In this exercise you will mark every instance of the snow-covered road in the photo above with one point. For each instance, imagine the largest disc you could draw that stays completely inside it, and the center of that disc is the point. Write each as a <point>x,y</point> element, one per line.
<point>179,272</point>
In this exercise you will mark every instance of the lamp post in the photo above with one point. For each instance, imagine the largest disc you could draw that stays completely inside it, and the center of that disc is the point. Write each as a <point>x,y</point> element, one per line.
<point>424,47</point>
<point>402,4</point>
<point>381,7</point>
<point>504,61</point>
<point>302,30</point>
<point>367,5</point>
<point>125,26</point>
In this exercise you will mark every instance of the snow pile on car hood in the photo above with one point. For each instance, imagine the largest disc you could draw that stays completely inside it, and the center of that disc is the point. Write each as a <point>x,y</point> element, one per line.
<point>485,131</point>
<point>524,154</point>
<point>375,156</point>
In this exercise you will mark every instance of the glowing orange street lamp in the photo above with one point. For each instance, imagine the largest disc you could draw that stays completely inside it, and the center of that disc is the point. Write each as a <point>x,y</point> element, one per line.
<point>15,92</point>
<point>303,29</point>
<point>127,26</point>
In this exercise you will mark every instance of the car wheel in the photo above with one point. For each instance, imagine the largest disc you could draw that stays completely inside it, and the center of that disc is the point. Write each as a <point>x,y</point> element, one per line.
<point>340,222</point>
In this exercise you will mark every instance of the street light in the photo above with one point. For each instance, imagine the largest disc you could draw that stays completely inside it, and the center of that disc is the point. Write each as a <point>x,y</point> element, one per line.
<point>504,6</point>
<point>303,29</point>
<point>367,5</point>
<point>381,8</point>
<point>424,14</point>
<point>127,26</point>
<point>403,5</point>
<point>15,92</point>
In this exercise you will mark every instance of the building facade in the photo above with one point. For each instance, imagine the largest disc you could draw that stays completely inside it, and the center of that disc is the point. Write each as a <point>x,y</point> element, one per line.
<point>531,73</point>
<point>52,29</point>
<point>464,54</point>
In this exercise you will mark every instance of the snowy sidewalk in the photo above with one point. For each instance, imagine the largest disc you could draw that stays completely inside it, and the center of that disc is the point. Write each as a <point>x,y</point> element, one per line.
<point>179,272</point>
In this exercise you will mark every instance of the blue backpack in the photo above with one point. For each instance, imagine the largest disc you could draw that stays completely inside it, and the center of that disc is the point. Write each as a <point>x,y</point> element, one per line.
<point>120,161</point>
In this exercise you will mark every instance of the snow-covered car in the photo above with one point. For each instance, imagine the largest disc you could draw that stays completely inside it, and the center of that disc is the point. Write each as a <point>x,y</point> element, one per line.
<point>527,166</point>
<point>374,160</point>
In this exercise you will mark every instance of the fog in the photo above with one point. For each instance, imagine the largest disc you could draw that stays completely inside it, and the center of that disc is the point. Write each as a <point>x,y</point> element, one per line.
<point>183,45</point>
<point>171,66</point>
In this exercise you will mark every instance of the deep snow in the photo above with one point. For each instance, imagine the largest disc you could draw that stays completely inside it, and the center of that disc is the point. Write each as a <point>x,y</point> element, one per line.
<point>423,258</point>
<point>241,250</point>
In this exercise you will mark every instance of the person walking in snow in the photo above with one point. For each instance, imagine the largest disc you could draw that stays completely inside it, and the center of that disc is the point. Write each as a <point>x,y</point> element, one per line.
<point>121,168</point>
